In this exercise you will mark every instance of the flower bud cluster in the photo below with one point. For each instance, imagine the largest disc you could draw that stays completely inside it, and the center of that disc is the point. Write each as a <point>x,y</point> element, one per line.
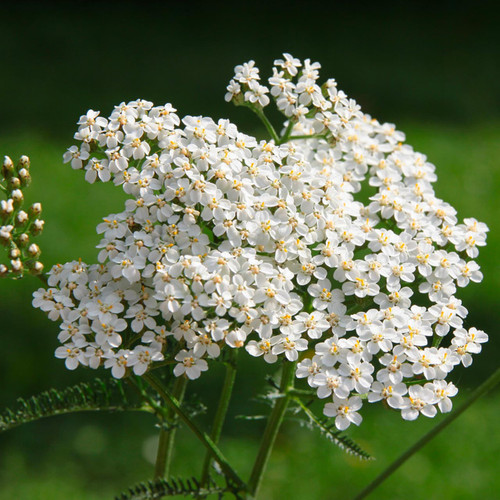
<point>17,227</point>
<point>231,242</point>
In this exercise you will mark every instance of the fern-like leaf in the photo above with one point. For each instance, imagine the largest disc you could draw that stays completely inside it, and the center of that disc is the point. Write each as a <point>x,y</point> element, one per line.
<point>161,488</point>
<point>99,395</point>
<point>328,429</point>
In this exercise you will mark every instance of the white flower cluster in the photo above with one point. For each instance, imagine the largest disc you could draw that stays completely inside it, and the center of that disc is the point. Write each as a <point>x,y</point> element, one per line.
<point>268,245</point>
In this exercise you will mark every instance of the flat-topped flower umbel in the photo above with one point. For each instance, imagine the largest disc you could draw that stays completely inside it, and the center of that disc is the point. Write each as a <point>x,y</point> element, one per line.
<point>325,244</point>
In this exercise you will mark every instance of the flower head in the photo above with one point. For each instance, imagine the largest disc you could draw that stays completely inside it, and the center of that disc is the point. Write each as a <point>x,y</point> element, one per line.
<point>228,242</point>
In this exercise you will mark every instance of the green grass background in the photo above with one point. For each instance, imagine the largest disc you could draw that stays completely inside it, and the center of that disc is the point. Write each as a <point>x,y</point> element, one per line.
<point>432,71</point>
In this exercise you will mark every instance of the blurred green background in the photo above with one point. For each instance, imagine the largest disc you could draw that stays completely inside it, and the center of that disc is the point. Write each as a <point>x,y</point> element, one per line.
<point>430,67</point>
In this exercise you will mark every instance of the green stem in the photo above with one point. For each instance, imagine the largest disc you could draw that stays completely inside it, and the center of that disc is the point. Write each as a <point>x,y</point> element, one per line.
<point>165,362</point>
<point>133,340</point>
<point>260,113</point>
<point>486,386</point>
<point>272,428</point>
<point>306,136</point>
<point>202,436</point>
<point>302,393</point>
<point>288,131</point>
<point>167,436</point>
<point>436,340</point>
<point>305,409</point>
<point>221,412</point>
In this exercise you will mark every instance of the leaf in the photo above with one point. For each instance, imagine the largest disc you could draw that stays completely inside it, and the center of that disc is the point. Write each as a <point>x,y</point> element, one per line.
<point>161,488</point>
<point>99,395</point>
<point>328,429</point>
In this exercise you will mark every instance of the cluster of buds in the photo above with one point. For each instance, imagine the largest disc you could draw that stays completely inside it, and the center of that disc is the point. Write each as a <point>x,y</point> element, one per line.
<point>17,227</point>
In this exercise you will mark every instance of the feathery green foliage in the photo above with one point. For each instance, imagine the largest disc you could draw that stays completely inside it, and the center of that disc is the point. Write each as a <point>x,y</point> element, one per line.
<point>161,488</point>
<point>328,429</point>
<point>99,395</point>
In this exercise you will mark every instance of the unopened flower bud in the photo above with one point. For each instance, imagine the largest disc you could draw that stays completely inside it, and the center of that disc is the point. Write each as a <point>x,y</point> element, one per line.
<point>5,234</point>
<point>24,162</point>
<point>14,183</point>
<point>6,208</point>
<point>17,197</point>
<point>16,266</point>
<point>14,253</point>
<point>37,226</point>
<point>21,218</point>
<point>3,270</point>
<point>34,250</point>
<point>36,268</point>
<point>35,209</point>
<point>238,99</point>
<point>7,167</point>
<point>22,240</point>
<point>25,177</point>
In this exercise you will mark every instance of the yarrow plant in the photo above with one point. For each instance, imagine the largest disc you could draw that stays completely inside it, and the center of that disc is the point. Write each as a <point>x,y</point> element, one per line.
<point>323,249</point>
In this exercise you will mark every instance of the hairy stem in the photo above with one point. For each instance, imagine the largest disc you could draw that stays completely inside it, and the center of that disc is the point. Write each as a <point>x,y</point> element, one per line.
<point>167,436</point>
<point>272,428</point>
<point>205,439</point>
<point>221,412</point>
<point>486,386</point>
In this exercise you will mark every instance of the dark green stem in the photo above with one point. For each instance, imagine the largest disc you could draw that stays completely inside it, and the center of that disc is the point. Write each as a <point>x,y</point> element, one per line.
<point>486,386</point>
<point>260,113</point>
<point>221,412</point>
<point>284,138</point>
<point>165,362</point>
<point>306,136</point>
<point>272,427</point>
<point>167,435</point>
<point>205,439</point>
